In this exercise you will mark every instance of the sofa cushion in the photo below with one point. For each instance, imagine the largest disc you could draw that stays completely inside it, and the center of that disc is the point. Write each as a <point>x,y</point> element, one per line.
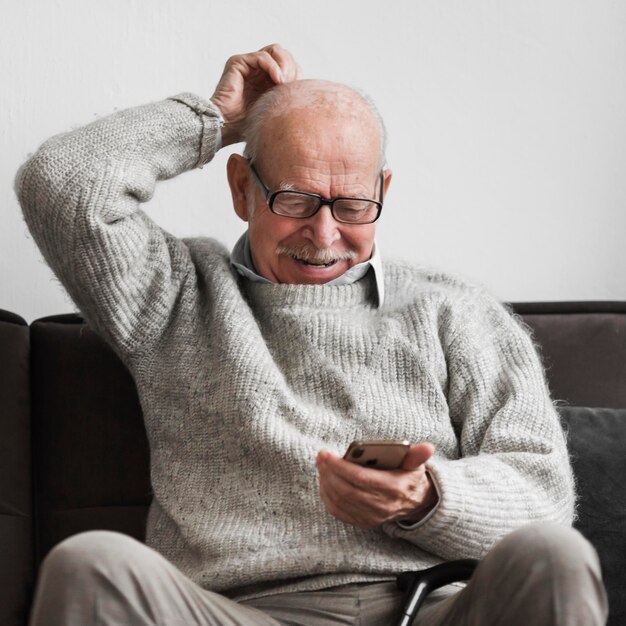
<point>596,440</point>
<point>91,459</point>
<point>16,524</point>
<point>583,347</point>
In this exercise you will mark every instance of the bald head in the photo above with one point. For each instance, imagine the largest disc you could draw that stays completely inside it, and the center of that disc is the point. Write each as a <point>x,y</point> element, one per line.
<point>320,106</point>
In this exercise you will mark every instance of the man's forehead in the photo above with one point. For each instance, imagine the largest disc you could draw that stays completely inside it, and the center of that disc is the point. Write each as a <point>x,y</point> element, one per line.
<point>324,139</point>
<point>320,126</point>
<point>326,170</point>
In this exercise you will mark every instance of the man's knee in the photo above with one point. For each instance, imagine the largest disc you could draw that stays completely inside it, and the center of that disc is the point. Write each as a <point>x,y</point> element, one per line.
<point>93,552</point>
<point>541,573</point>
<point>548,547</point>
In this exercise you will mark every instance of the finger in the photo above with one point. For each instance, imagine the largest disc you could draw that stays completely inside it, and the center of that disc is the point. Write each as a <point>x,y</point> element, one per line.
<point>246,64</point>
<point>347,518</point>
<point>271,66</point>
<point>336,506</point>
<point>289,68</point>
<point>377,498</point>
<point>364,478</point>
<point>417,455</point>
<point>347,496</point>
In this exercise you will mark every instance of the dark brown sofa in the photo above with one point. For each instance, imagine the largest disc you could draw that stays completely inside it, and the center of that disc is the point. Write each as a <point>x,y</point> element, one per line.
<point>74,454</point>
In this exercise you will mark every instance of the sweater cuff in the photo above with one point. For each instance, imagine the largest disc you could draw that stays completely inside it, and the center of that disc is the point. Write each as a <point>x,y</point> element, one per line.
<point>212,122</point>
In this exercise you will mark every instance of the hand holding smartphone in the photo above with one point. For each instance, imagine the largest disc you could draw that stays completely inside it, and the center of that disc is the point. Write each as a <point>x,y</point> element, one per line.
<point>385,454</point>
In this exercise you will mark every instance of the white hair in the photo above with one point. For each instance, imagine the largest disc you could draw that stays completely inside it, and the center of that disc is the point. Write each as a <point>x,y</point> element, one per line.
<point>305,93</point>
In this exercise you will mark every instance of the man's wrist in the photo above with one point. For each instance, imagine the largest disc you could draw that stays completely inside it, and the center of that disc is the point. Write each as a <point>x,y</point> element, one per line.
<point>229,132</point>
<point>419,514</point>
<point>212,122</point>
<point>430,502</point>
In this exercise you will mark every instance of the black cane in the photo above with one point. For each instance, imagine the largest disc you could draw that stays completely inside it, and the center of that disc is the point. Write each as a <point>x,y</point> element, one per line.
<point>420,584</point>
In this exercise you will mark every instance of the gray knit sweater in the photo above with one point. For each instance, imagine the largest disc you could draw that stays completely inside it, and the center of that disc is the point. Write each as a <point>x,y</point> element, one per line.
<point>242,383</point>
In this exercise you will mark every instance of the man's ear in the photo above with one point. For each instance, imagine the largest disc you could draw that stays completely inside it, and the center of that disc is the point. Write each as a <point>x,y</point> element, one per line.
<point>238,172</point>
<point>386,180</point>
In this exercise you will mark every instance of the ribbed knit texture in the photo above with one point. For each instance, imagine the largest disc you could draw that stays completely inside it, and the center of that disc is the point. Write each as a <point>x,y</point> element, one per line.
<point>242,383</point>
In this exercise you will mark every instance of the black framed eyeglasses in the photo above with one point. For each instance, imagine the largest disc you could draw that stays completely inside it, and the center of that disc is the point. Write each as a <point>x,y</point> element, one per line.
<point>302,205</point>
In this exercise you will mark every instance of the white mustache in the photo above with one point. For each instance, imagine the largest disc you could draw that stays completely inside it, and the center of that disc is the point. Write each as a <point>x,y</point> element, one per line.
<point>311,254</point>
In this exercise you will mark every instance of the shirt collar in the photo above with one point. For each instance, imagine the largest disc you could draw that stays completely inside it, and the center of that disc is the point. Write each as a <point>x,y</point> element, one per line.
<point>241,260</point>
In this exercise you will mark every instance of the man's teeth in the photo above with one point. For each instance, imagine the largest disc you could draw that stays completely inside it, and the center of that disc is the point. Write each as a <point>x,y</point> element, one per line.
<point>316,264</point>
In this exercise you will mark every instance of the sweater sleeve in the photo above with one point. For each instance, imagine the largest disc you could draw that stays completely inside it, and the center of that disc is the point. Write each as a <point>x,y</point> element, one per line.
<point>512,466</point>
<point>81,194</point>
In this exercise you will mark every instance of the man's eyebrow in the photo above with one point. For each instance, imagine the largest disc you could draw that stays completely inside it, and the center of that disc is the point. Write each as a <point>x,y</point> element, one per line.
<point>291,187</point>
<point>287,187</point>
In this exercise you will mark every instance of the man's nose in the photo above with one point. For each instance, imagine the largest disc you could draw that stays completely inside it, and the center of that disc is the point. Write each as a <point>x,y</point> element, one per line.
<point>323,228</point>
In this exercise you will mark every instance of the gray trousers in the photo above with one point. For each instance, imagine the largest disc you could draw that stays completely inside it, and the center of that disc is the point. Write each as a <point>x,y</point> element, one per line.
<point>541,574</point>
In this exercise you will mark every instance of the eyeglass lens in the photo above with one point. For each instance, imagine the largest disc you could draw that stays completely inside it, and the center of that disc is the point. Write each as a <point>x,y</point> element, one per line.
<point>351,210</point>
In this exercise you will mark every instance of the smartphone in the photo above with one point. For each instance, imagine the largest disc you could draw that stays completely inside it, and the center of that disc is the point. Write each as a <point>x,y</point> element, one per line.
<point>385,454</point>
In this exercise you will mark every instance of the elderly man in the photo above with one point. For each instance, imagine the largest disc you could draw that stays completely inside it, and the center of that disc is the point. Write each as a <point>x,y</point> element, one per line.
<point>257,368</point>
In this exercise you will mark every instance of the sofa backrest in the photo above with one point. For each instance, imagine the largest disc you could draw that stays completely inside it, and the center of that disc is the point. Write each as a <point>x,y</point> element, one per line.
<point>90,452</point>
<point>16,529</point>
<point>583,347</point>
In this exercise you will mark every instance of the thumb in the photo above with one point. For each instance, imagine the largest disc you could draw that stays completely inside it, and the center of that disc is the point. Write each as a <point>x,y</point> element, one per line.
<point>417,455</point>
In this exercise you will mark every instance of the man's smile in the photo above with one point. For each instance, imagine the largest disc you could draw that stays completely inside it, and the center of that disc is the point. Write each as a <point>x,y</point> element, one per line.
<point>314,264</point>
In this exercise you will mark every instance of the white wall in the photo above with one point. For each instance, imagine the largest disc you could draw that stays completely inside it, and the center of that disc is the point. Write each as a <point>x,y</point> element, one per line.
<point>507,122</point>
